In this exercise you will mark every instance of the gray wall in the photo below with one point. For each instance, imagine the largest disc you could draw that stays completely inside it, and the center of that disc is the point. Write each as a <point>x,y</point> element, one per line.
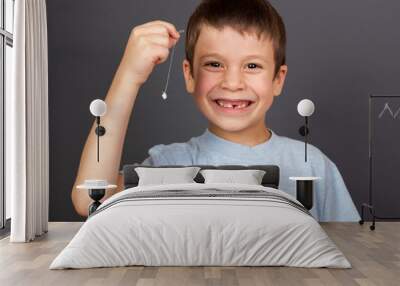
<point>338,53</point>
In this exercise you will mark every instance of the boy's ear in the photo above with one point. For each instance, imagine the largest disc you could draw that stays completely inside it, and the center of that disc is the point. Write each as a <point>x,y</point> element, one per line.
<point>190,84</point>
<point>280,80</point>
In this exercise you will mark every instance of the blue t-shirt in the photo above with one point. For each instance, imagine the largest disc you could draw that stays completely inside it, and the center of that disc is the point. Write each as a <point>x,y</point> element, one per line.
<point>332,201</point>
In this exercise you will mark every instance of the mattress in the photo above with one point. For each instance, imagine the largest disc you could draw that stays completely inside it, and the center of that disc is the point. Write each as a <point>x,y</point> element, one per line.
<point>198,224</point>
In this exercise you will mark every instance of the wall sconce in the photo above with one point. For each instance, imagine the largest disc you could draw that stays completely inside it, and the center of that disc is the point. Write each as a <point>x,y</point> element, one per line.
<point>98,108</point>
<point>305,108</point>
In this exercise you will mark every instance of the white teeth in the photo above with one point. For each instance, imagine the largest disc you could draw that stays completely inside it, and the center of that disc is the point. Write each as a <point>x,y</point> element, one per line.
<point>224,104</point>
<point>228,105</point>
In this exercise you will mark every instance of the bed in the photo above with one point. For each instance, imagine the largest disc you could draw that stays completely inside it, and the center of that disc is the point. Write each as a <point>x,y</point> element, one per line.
<point>201,224</point>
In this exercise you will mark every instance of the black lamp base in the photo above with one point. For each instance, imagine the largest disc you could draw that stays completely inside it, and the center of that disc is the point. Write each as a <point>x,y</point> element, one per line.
<point>96,195</point>
<point>304,193</point>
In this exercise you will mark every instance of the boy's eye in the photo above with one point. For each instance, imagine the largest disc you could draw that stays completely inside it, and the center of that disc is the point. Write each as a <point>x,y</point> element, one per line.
<point>213,64</point>
<point>217,65</point>
<point>253,66</point>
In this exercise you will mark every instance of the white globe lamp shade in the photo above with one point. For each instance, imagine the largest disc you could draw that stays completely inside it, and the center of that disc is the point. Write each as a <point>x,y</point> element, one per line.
<point>305,107</point>
<point>98,107</point>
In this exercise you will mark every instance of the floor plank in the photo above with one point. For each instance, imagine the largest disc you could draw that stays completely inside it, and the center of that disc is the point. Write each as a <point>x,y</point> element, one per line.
<point>374,255</point>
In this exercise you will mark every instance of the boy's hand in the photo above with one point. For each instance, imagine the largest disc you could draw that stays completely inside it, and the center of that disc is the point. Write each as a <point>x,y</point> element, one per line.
<point>148,45</point>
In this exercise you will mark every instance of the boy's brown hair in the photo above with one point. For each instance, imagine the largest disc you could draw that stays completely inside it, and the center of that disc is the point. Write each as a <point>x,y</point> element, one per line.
<point>249,16</point>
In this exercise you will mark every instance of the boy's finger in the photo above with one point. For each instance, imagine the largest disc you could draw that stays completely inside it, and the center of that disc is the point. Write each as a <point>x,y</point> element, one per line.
<point>157,30</point>
<point>161,39</point>
<point>170,27</point>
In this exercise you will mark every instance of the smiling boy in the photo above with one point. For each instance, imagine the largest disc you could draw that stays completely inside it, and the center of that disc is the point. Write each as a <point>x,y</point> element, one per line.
<point>234,67</point>
<point>234,87</point>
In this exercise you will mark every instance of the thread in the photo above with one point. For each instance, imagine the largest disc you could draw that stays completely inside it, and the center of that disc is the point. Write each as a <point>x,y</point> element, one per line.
<point>164,94</point>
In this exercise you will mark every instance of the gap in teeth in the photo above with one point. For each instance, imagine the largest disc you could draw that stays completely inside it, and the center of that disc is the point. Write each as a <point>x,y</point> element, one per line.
<point>234,106</point>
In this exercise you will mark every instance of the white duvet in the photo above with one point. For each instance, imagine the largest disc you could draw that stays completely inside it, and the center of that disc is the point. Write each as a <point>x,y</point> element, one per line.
<point>207,230</point>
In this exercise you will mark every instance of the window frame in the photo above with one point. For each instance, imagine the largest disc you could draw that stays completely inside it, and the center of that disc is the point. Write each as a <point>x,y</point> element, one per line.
<point>6,39</point>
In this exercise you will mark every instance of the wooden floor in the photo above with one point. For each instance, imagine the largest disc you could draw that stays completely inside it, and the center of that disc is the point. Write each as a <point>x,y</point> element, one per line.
<point>375,256</point>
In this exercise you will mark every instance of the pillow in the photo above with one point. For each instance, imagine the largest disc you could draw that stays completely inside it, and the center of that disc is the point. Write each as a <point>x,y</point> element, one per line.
<point>249,177</point>
<point>160,176</point>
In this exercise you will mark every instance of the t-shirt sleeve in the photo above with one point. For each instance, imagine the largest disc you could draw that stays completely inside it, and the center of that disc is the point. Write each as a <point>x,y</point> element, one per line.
<point>155,156</point>
<point>336,202</point>
<point>172,154</point>
<point>148,161</point>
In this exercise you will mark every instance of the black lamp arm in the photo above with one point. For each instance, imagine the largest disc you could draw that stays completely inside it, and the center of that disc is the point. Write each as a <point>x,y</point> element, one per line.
<point>100,131</point>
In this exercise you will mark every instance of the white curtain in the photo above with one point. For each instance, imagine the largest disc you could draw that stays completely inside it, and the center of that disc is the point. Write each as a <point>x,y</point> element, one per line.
<point>27,136</point>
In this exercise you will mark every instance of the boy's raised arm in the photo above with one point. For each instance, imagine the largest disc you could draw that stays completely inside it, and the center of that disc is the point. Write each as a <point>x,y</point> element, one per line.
<point>147,46</point>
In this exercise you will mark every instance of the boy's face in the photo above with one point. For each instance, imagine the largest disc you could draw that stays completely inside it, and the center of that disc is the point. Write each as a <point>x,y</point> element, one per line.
<point>233,78</point>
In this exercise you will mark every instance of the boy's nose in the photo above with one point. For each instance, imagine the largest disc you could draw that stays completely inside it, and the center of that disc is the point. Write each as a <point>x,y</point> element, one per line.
<point>232,80</point>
